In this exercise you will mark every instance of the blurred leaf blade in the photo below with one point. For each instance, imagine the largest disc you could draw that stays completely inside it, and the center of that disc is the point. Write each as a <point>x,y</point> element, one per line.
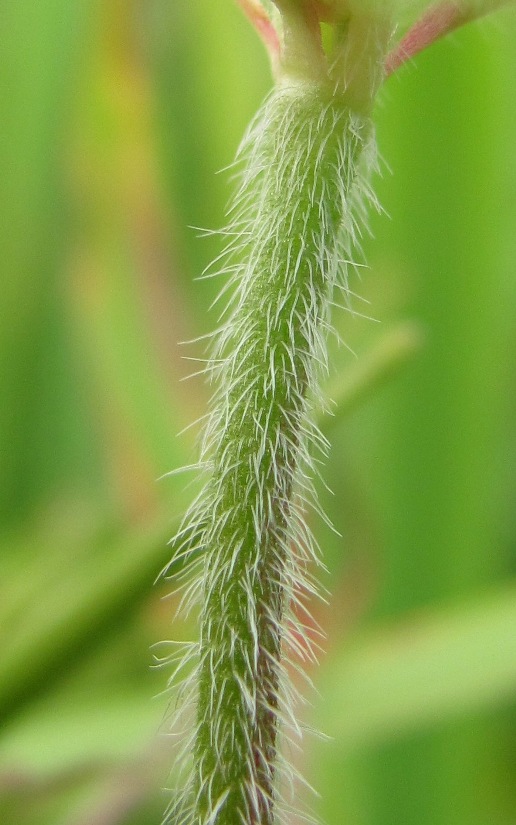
<point>43,45</point>
<point>81,606</point>
<point>421,672</point>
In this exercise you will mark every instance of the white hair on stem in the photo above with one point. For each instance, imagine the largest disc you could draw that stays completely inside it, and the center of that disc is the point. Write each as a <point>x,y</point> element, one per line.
<point>245,546</point>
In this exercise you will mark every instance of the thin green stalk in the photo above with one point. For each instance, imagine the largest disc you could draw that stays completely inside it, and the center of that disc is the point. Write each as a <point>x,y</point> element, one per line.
<point>294,222</point>
<point>294,225</point>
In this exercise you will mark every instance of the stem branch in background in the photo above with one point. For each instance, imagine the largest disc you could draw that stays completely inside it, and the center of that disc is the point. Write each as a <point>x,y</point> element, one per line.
<point>436,22</point>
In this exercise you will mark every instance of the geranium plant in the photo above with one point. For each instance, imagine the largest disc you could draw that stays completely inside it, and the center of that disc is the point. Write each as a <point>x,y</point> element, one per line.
<point>292,238</point>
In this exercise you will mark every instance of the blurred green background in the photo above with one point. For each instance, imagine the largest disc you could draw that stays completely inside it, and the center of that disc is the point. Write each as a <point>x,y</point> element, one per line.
<point>114,118</point>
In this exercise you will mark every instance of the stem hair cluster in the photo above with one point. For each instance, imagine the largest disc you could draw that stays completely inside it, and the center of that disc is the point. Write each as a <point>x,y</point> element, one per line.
<point>247,551</point>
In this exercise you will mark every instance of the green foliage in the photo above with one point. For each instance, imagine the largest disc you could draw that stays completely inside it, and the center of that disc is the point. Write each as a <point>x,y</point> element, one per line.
<point>115,119</point>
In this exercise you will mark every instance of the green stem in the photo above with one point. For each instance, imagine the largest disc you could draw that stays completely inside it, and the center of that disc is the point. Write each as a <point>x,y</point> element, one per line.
<point>293,226</point>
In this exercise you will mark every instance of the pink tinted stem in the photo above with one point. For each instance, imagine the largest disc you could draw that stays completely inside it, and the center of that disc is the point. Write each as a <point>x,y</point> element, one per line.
<point>438,21</point>
<point>263,26</point>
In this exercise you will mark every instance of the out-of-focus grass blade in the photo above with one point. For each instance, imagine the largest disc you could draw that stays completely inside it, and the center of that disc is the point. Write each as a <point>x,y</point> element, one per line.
<point>210,73</point>
<point>41,47</point>
<point>95,587</point>
<point>98,760</point>
<point>126,272</point>
<point>421,672</point>
<point>46,744</point>
<point>373,369</point>
<point>438,468</point>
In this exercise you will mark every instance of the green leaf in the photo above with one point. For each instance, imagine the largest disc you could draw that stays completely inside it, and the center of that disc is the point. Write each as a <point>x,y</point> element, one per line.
<point>98,582</point>
<point>420,672</point>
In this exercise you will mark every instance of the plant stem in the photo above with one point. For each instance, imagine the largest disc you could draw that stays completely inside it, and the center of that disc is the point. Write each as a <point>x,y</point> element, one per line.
<point>293,225</point>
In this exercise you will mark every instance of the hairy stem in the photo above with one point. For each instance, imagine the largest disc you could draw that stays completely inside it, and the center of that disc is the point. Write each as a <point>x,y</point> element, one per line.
<point>293,226</point>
